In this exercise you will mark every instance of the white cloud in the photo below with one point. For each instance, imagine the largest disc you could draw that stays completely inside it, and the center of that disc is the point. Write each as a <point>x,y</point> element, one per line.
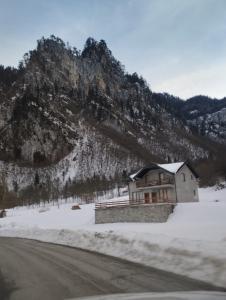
<point>164,41</point>
<point>209,81</point>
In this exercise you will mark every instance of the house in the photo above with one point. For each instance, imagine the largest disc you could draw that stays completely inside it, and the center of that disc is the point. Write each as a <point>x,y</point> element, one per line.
<point>164,183</point>
<point>154,191</point>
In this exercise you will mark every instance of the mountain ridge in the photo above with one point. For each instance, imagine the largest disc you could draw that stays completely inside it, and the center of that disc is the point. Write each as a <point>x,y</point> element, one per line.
<point>62,101</point>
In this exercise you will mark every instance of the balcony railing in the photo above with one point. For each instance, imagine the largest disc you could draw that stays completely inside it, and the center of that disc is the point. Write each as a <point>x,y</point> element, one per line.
<point>109,204</point>
<point>155,182</point>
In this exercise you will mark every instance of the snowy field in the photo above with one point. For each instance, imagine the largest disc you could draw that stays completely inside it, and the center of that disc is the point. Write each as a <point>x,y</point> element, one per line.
<point>191,243</point>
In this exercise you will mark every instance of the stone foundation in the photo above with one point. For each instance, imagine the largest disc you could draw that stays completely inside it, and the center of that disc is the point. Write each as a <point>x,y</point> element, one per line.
<point>145,213</point>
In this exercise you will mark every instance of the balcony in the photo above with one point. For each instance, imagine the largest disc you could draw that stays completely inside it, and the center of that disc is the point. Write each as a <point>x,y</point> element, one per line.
<point>158,182</point>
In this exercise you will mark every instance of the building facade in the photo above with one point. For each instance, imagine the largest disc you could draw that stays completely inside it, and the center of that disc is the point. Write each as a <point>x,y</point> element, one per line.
<point>164,183</point>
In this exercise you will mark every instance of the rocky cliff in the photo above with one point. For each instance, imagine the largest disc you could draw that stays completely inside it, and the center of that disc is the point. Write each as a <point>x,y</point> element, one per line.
<point>68,115</point>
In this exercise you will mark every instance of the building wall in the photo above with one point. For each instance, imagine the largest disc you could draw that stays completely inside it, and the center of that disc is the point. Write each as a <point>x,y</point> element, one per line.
<point>155,175</point>
<point>152,175</point>
<point>132,188</point>
<point>157,213</point>
<point>163,194</point>
<point>172,194</point>
<point>187,191</point>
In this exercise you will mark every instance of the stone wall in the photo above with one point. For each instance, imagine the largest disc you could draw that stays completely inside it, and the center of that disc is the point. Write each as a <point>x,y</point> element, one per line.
<point>149,213</point>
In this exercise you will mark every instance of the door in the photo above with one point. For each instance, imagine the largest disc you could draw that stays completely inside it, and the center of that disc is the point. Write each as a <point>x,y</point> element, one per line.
<point>154,197</point>
<point>146,198</point>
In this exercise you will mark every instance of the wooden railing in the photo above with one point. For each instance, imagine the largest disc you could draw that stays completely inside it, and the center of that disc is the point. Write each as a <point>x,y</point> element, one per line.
<point>155,182</point>
<point>103,205</point>
<point>111,204</point>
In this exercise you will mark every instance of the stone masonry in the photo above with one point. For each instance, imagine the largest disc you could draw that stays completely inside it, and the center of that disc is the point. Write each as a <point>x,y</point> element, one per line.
<point>149,213</point>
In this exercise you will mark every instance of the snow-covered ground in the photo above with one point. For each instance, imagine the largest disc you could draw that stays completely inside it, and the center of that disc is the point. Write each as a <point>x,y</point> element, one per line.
<point>192,242</point>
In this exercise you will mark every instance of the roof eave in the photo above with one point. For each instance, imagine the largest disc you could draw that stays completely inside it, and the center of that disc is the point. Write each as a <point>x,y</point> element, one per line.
<point>187,163</point>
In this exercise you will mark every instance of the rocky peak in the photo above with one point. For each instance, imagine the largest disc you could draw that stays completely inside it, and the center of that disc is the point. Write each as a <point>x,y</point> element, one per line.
<point>68,104</point>
<point>52,48</point>
<point>96,50</point>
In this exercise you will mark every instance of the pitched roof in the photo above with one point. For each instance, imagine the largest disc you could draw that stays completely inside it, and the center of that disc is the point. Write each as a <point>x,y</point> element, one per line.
<point>172,168</point>
<point>140,173</point>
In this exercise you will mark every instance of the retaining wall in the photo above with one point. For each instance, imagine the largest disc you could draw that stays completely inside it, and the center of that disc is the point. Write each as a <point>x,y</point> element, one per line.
<point>149,213</point>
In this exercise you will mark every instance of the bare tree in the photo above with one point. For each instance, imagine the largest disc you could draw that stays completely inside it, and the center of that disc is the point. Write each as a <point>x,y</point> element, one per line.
<point>3,189</point>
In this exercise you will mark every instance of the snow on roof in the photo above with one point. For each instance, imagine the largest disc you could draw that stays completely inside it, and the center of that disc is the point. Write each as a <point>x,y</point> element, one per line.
<point>173,167</point>
<point>132,176</point>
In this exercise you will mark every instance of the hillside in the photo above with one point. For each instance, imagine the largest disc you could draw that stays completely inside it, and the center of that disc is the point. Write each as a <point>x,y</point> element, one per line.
<point>206,116</point>
<point>68,118</point>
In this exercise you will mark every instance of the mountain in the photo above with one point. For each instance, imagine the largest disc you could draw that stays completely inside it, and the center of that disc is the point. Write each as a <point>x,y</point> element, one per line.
<point>70,119</point>
<point>204,115</point>
<point>208,117</point>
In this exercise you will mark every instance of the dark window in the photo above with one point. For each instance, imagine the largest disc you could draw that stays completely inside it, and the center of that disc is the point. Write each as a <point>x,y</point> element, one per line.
<point>183,177</point>
<point>194,192</point>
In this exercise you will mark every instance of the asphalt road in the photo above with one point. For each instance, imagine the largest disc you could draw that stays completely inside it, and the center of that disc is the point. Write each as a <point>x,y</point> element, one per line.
<point>31,270</point>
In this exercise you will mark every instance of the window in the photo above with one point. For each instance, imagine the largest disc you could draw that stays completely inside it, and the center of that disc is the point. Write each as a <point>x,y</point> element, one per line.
<point>183,177</point>
<point>194,192</point>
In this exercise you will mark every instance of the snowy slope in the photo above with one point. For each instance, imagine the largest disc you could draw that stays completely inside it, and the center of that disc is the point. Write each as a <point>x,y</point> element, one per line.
<point>192,242</point>
<point>74,165</point>
<point>71,117</point>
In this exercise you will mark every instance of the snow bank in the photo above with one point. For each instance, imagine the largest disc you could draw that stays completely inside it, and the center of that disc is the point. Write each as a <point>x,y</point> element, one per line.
<point>191,243</point>
<point>188,295</point>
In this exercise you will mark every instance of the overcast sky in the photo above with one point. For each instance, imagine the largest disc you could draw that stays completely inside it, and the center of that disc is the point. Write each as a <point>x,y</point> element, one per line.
<point>178,46</point>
